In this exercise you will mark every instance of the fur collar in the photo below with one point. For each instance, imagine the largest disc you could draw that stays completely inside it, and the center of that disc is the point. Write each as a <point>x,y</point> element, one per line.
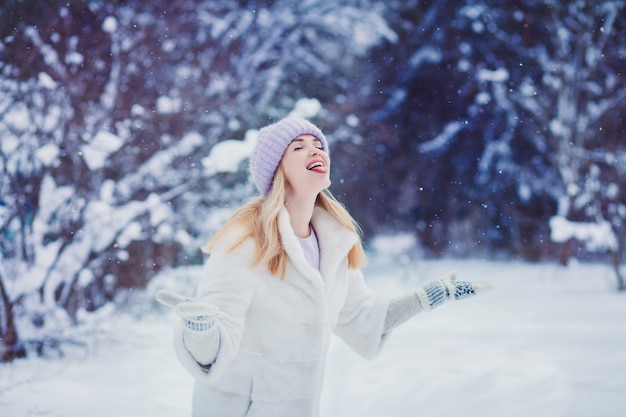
<point>335,241</point>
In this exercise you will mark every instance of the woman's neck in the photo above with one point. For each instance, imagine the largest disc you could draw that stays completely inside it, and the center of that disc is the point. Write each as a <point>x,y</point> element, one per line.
<point>300,211</point>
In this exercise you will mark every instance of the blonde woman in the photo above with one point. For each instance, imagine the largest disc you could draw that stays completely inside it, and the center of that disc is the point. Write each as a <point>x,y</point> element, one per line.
<point>282,277</point>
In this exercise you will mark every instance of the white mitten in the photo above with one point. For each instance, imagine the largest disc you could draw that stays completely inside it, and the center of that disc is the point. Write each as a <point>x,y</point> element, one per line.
<point>444,289</point>
<point>200,336</point>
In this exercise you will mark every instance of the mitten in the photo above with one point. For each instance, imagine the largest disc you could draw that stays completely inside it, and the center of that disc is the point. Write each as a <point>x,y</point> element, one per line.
<point>200,335</point>
<point>444,289</point>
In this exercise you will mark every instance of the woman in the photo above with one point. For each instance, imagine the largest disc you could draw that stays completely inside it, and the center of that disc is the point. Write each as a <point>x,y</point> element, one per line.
<point>283,276</point>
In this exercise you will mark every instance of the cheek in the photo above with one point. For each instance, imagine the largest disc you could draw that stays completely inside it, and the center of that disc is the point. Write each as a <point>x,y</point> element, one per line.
<point>289,166</point>
<point>291,171</point>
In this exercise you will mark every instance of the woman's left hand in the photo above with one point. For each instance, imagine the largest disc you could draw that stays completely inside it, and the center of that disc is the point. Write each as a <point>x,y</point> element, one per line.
<point>437,292</point>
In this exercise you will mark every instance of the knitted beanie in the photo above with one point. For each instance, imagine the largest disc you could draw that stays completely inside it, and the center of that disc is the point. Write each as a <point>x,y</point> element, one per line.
<point>271,144</point>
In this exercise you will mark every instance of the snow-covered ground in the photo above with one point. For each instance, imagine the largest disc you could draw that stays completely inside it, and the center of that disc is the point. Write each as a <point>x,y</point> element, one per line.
<point>546,341</point>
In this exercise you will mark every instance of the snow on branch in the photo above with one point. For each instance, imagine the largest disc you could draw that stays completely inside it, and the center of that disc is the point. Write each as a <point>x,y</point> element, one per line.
<point>499,75</point>
<point>596,237</point>
<point>98,150</point>
<point>442,140</point>
<point>227,155</point>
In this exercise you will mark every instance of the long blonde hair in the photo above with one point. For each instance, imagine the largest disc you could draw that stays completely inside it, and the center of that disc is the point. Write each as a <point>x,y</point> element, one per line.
<point>258,219</point>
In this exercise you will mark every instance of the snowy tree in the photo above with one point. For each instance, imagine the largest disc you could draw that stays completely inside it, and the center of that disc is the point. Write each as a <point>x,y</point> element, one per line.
<point>563,97</point>
<point>425,132</point>
<point>107,113</point>
<point>499,118</point>
<point>63,226</point>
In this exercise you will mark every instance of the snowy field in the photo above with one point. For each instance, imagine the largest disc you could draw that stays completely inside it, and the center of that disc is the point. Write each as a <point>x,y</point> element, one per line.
<point>547,341</point>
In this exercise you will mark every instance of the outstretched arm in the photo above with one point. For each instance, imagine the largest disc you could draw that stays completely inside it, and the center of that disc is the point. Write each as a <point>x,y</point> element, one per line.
<point>200,335</point>
<point>428,297</point>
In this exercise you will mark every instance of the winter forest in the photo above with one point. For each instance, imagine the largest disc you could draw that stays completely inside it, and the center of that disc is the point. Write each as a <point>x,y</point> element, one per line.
<point>475,129</point>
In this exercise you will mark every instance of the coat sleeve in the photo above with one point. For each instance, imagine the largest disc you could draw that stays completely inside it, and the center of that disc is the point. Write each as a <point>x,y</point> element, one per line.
<point>229,283</point>
<point>362,318</point>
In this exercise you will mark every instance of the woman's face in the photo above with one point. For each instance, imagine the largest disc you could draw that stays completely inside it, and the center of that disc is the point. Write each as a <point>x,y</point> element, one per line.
<point>306,165</point>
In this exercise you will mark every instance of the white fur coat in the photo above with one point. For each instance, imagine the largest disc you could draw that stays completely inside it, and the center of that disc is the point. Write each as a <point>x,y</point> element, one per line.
<point>275,334</point>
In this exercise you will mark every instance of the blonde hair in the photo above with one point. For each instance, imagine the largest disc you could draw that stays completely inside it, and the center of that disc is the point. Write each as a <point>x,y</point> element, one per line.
<point>258,219</point>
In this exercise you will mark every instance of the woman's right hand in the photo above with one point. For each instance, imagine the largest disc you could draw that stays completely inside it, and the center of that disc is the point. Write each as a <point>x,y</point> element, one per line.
<point>200,336</point>
<point>186,307</point>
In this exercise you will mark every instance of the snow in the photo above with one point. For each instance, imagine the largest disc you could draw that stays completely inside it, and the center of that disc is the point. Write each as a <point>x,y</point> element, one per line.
<point>50,121</point>
<point>106,191</point>
<point>368,31</point>
<point>48,154</point>
<point>109,24</point>
<point>394,245</point>
<point>524,192</point>
<point>597,236</point>
<point>169,105</point>
<point>101,146</point>
<point>442,140</point>
<point>483,98</point>
<point>473,11</point>
<point>74,58</point>
<point>427,54</point>
<point>546,341</point>
<point>499,75</point>
<point>51,198</point>
<point>352,120</point>
<point>227,155</point>
<point>130,233</point>
<point>46,81</point>
<point>9,144</point>
<point>17,118</point>
<point>306,108</point>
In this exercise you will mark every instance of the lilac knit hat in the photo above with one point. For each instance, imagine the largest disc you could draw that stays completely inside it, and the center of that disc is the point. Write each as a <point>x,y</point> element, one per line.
<point>271,144</point>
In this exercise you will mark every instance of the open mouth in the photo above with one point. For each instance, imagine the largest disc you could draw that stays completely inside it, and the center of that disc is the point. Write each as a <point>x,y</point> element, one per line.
<point>314,165</point>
